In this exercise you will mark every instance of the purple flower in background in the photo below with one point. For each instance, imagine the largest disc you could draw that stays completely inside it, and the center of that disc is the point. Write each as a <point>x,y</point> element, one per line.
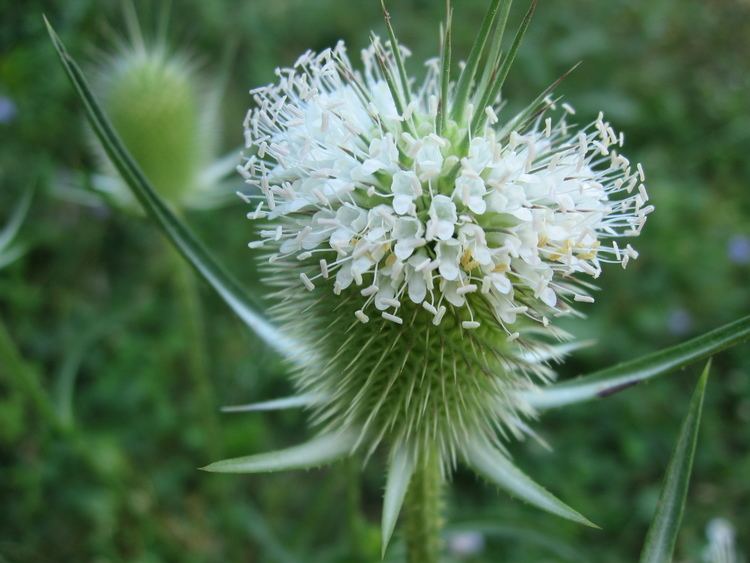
<point>738,249</point>
<point>679,322</point>
<point>8,110</point>
<point>465,544</point>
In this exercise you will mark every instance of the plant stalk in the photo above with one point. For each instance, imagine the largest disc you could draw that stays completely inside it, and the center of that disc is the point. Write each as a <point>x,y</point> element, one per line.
<point>197,357</point>
<point>423,508</point>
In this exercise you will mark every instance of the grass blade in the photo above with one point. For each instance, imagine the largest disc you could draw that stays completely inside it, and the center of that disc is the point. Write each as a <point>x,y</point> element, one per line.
<point>399,475</point>
<point>176,231</point>
<point>496,468</point>
<point>17,218</point>
<point>662,534</point>
<point>318,451</point>
<point>611,380</point>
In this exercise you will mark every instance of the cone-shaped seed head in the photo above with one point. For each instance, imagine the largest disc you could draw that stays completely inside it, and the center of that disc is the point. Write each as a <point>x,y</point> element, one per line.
<point>154,103</point>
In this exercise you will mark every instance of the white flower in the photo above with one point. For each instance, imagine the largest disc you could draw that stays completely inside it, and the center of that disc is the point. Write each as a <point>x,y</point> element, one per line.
<point>470,190</point>
<point>419,276</point>
<point>428,159</point>
<point>408,234</point>
<point>448,254</point>
<point>406,188</point>
<point>474,242</point>
<point>480,154</point>
<point>442,223</point>
<point>383,156</point>
<point>350,221</point>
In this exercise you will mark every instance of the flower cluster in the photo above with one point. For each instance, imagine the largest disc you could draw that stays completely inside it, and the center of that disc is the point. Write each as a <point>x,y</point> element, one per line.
<point>420,242</point>
<point>381,201</point>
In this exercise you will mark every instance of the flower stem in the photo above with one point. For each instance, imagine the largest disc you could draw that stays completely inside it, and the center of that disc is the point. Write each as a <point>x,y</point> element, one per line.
<point>197,357</point>
<point>423,511</point>
<point>354,518</point>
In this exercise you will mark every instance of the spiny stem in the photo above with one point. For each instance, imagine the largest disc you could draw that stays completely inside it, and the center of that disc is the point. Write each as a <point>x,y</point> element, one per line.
<point>423,511</point>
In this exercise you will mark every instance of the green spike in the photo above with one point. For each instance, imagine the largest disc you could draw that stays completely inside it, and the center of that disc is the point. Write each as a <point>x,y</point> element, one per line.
<point>496,467</point>
<point>399,475</point>
<point>662,534</point>
<point>502,72</point>
<point>472,64</point>
<point>493,57</point>
<point>445,69</point>
<point>319,451</point>
<point>404,79</point>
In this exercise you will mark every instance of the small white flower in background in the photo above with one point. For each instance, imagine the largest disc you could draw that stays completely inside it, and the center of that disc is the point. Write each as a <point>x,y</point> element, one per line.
<point>721,546</point>
<point>421,244</point>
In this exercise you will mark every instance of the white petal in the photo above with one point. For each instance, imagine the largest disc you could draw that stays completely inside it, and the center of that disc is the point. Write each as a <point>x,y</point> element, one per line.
<point>344,277</point>
<point>548,296</point>
<point>402,204</point>
<point>448,256</point>
<point>417,287</point>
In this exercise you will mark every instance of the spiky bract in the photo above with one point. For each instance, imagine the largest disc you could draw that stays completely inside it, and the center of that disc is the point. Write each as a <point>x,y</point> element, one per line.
<point>417,383</point>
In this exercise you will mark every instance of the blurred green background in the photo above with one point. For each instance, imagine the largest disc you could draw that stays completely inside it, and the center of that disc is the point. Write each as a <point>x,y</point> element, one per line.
<point>99,300</point>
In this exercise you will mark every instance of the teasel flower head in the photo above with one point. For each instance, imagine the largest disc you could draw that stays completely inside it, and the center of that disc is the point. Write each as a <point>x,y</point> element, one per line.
<point>422,244</point>
<point>167,115</point>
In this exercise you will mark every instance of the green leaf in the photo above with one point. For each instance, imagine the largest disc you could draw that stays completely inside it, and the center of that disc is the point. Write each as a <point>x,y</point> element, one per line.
<point>318,451</point>
<point>17,218</point>
<point>284,403</point>
<point>496,467</point>
<point>399,474</point>
<point>662,534</point>
<point>175,230</point>
<point>611,380</point>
